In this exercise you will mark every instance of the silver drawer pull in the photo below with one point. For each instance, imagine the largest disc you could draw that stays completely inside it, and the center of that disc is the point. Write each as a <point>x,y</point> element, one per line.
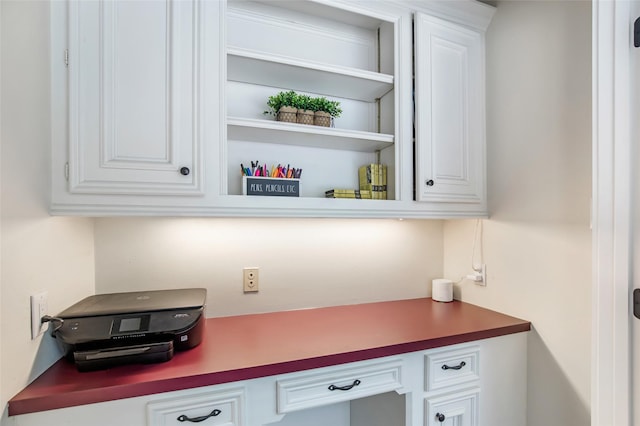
<point>356,382</point>
<point>456,367</point>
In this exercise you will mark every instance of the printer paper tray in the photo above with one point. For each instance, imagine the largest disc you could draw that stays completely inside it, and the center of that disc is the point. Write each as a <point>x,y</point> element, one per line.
<point>96,359</point>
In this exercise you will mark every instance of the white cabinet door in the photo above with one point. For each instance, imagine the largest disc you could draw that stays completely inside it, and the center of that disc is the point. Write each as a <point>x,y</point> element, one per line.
<point>449,112</point>
<point>133,97</point>
<point>456,409</point>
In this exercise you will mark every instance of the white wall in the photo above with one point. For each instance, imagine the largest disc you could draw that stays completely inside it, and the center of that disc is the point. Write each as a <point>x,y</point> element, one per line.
<point>303,263</point>
<point>537,242</point>
<point>39,252</point>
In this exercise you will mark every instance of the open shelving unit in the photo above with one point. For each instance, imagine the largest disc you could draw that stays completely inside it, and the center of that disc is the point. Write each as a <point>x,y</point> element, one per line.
<point>367,130</point>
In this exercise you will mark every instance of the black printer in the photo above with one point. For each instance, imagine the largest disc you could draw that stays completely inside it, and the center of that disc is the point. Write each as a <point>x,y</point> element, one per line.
<point>106,330</point>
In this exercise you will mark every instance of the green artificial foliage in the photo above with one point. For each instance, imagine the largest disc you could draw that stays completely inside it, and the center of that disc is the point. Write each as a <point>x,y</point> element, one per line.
<point>281,99</point>
<point>325,105</point>
<point>304,102</point>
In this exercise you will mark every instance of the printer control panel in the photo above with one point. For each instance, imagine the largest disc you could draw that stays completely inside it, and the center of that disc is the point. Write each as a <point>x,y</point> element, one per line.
<point>129,324</point>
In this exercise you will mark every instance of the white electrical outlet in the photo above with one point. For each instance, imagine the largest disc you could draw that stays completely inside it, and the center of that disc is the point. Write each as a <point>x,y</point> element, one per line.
<point>39,308</point>
<point>479,277</point>
<point>250,279</point>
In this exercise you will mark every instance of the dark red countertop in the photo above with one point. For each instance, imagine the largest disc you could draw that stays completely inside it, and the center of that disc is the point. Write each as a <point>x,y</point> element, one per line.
<point>251,346</point>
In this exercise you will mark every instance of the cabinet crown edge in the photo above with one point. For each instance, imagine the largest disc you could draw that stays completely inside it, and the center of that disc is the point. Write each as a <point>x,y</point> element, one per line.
<point>471,13</point>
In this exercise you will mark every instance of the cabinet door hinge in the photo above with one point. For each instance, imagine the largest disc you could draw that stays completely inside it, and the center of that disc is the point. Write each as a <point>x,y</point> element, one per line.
<point>66,171</point>
<point>66,58</point>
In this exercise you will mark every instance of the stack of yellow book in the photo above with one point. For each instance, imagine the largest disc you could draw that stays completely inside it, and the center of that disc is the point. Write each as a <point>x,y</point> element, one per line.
<point>373,177</point>
<point>348,193</point>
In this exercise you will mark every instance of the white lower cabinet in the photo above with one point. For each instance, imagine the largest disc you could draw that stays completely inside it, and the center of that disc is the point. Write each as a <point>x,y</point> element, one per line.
<point>471,384</point>
<point>482,383</point>
<point>447,371</point>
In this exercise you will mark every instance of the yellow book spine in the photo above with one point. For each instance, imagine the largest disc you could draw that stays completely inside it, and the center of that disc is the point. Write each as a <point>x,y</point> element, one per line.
<point>384,182</point>
<point>374,180</point>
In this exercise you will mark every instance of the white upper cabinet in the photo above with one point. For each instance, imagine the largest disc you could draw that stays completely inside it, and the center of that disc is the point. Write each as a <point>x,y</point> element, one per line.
<point>133,97</point>
<point>449,112</point>
<point>161,101</point>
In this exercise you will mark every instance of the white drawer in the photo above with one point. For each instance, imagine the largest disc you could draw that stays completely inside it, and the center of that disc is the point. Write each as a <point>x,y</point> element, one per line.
<point>328,386</point>
<point>449,367</point>
<point>214,408</point>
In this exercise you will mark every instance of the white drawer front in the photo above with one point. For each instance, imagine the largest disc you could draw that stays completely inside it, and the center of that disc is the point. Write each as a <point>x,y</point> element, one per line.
<point>336,385</point>
<point>452,367</point>
<point>213,408</point>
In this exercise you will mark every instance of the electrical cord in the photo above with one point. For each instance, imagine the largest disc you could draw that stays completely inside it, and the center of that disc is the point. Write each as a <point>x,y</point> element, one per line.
<point>473,251</point>
<point>57,322</point>
<point>477,235</point>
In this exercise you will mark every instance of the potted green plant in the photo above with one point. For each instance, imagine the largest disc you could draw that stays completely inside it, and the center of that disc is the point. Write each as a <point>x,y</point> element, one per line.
<point>325,110</point>
<point>305,111</point>
<point>284,106</point>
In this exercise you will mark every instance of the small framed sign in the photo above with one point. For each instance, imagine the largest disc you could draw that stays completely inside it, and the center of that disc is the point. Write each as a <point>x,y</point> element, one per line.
<point>266,186</point>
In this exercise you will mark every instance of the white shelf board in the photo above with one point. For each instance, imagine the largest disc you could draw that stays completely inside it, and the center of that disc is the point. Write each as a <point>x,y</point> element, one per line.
<point>253,67</point>
<point>247,129</point>
<point>335,12</point>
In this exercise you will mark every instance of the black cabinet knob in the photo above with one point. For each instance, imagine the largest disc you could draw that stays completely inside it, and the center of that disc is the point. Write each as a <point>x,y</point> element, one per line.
<point>429,182</point>
<point>185,171</point>
<point>440,417</point>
